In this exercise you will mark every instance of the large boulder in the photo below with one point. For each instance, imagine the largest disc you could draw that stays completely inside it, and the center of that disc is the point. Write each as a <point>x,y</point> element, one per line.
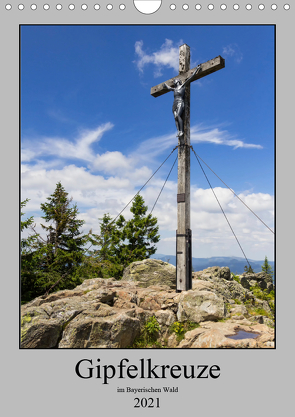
<point>227,290</point>
<point>90,331</point>
<point>214,273</point>
<point>151,272</point>
<point>80,318</point>
<point>197,306</point>
<point>217,335</point>
<point>261,279</point>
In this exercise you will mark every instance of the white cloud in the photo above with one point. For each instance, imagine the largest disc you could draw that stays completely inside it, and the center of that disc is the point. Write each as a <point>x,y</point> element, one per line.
<point>112,162</point>
<point>79,148</point>
<point>166,56</point>
<point>149,149</point>
<point>233,50</point>
<point>200,133</point>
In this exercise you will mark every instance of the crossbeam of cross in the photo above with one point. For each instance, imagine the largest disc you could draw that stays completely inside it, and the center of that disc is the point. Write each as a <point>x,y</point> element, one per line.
<point>207,68</point>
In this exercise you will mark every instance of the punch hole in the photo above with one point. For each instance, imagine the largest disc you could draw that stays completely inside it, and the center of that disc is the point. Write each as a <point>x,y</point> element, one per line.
<point>84,7</point>
<point>185,6</point>
<point>147,6</point>
<point>274,7</point>
<point>172,7</point>
<point>46,7</point>
<point>96,7</point>
<point>8,6</point>
<point>287,6</point>
<point>210,6</point>
<point>21,7</point>
<point>122,7</point>
<point>71,6</point>
<point>198,7</point>
<point>248,6</point>
<point>109,6</point>
<point>223,6</point>
<point>58,7</point>
<point>33,6</point>
<point>261,7</point>
<point>236,6</point>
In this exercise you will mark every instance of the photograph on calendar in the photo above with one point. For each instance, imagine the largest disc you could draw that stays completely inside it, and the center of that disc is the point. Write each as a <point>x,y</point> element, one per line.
<point>147,186</point>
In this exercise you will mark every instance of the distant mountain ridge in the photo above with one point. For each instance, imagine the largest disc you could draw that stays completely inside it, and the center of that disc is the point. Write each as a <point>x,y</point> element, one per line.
<point>235,264</point>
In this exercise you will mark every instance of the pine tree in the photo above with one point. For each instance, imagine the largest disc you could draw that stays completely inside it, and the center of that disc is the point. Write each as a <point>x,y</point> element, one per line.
<point>29,259</point>
<point>105,259</point>
<point>26,223</point>
<point>122,242</point>
<point>53,262</point>
<point>266,267</point>
<point>64,239</point>
<point>141,233</point>
<point>248,269</point>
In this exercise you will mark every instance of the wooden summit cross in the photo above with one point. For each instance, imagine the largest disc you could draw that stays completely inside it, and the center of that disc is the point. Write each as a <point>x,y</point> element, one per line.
<point>183,233</point>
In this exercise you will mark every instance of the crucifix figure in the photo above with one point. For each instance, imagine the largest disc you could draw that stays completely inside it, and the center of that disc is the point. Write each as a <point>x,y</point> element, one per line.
<point>181,111</point>
<point>178,103</point>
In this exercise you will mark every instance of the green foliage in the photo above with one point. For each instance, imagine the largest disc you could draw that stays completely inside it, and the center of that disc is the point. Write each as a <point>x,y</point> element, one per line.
<point>181,328</point>
<point>122,242</point>
<point>26,223</point>
<point>272,306</point>
<point>259,293</point>
<point>266,267</point>
<point>52,262</point>
<point>262,295</point>
<point>228,307</point>
<point>178,329</point>
<point>235,278</point>
<point>149,334</point>
<point>152,328</point>
<point>140,234</point>
<point>60,260</point>
<point>259,311</point>
<point>248,269</point>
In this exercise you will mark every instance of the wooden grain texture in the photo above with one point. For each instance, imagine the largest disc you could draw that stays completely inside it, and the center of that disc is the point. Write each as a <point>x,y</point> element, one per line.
<point>207,68</point>
<point>183,208</point>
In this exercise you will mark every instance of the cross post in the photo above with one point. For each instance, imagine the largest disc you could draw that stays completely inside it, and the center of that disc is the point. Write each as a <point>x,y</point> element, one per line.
<point>183,232</point>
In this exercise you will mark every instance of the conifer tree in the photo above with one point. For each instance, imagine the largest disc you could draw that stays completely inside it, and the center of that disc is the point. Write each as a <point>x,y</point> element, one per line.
<point>29,260</point>
<point>64,239</point>
<point>64,228</point>
<point>266,267</point>
<point>105,259</point>
<point>53,261</point>
<point>26,223</point>
<point>248,269</point>
<point>122,242</point>
<point>141,233</point>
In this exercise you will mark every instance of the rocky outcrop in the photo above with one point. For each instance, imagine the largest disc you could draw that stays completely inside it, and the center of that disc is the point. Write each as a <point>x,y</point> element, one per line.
<point>262,280</point>
<point>216,335</point>
<point>198,306</point>
<point>151,272</point>
<point>105,313</point>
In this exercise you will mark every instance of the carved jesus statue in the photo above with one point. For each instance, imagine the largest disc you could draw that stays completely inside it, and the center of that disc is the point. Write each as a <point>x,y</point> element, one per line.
<point>178,104</point>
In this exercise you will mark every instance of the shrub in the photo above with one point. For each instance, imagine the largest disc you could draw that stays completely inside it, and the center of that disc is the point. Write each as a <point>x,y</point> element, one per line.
<point>236,278</point>
<point>149,334</point>
<point>181,328</point>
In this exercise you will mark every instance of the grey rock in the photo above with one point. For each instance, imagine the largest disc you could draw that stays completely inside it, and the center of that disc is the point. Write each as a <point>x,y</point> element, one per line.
<point>151,272</point>
<point>198,306</point>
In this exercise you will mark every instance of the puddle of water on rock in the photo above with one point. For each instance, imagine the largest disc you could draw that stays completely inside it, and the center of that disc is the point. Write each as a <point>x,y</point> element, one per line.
<point>243,335</point>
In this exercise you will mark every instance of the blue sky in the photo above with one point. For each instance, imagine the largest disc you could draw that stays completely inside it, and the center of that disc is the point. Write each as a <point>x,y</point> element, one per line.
<point>89,121</point>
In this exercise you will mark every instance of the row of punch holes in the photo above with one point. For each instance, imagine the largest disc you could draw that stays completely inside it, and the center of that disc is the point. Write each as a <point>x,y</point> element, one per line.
<point>172,7</point>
